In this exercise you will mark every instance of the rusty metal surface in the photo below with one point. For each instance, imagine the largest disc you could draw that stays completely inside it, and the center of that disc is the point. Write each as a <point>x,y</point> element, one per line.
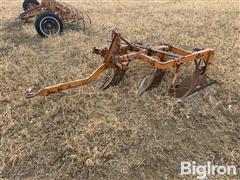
<point>193,83</point>
<point>151,81</point>
<point>115,79</point>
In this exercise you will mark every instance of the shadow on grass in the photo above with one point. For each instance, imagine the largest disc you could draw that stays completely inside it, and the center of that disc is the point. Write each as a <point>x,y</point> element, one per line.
<point>15,32</point>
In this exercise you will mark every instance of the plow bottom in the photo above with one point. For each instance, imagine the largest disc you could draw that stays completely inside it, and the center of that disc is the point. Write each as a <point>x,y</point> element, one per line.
<point>196,81</point>
<point>151,81</point>
<point>114,80</point>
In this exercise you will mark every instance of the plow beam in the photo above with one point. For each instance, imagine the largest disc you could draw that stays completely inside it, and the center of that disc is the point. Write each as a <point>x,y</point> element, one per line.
<point>69,85</point>
<point>205,54</point>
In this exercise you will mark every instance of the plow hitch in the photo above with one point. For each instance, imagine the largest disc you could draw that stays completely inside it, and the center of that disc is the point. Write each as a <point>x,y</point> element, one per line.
<point>164,59</point>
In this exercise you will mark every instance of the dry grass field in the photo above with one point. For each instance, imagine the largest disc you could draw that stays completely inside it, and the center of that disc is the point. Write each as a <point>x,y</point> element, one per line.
<point>87,133</point>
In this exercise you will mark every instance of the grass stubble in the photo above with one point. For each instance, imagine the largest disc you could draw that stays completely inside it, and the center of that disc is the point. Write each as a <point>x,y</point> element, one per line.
<point>87,133</point>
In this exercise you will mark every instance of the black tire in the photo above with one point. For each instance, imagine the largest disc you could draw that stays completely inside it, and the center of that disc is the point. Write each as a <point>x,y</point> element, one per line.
<point>26,2</point>
<point>48,24</point>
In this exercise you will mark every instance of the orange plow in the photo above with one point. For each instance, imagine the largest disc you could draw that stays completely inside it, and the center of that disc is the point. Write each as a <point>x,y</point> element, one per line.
<point>162,58</point>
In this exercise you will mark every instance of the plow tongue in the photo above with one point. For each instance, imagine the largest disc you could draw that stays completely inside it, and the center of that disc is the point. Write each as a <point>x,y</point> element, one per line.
<point>151,81</point>
<point>115,79</point>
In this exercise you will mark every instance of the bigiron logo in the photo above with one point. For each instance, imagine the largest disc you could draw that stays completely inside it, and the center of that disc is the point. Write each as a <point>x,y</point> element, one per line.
<point>202,171</point>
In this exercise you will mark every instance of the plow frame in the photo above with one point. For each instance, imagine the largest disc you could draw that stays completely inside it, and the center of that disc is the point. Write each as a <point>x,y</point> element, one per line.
<point>121,53</point>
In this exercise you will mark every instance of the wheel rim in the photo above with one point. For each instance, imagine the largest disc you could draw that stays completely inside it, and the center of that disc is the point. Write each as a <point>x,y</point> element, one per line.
<point>50,26</point>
